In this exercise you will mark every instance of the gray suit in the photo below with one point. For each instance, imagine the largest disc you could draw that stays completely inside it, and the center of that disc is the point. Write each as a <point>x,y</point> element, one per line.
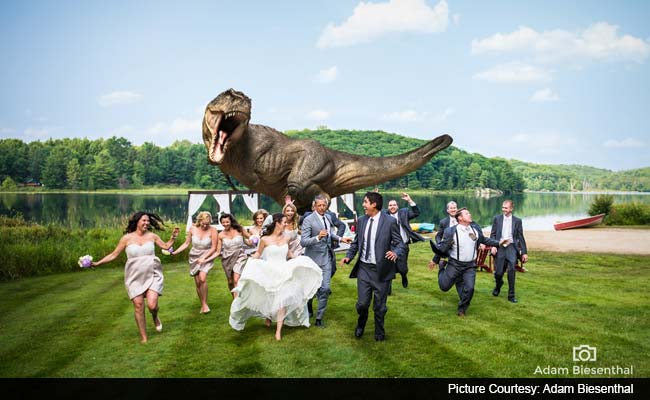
<point>320,251</point>
<point>506,257</point>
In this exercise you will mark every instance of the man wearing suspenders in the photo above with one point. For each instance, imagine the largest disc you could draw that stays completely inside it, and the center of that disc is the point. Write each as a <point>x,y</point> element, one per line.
<point>460,243</point>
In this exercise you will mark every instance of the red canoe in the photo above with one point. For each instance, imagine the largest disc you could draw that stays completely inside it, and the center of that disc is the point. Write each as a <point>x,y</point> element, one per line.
<point>580,223</point>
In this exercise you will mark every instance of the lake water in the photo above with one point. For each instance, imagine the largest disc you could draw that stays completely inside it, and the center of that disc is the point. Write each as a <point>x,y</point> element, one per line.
<point>539,211</point>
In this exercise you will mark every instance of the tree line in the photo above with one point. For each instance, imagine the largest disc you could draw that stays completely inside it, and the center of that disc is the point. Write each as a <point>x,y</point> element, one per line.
<point>115,163</point>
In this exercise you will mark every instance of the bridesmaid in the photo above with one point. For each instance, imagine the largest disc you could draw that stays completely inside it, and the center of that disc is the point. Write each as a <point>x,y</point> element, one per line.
<point>203,237</point>
<point>230,245</point>
<point>143,275</point>
<point>255,231</point>
<point>292,229</point>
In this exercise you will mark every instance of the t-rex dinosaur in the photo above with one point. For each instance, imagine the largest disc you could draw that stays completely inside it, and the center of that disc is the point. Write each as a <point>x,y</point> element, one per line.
<point>270,162</point>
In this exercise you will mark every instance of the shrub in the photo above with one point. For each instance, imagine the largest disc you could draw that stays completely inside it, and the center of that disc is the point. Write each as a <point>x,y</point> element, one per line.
<point>629,214</point>
<point>9,184</point>
<point>602,204</point>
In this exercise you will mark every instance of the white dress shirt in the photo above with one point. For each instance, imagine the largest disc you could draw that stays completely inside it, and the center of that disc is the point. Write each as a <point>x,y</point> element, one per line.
<point>467,250</point>
<point>369,256</point>
<point>506,229</point>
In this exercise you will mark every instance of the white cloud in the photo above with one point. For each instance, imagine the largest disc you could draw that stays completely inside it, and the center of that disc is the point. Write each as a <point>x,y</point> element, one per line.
<point>625,143</point>
<point>327,75</point>
<point>7,131</point>
<point>544,143</point>
<point>545,94</point>
<point>515,72</point>
<point>456,19</point>
<point>372,20</point>
<point>118,98</point>
<point>318,115</point>
<point>599,42</point>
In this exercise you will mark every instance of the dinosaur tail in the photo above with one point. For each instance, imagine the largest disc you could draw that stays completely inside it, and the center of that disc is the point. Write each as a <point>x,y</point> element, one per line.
<point>355,172</point>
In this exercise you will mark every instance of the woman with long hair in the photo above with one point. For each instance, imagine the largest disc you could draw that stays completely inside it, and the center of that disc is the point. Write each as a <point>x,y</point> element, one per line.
<point>292,229</point>
<point>143,275</point>
<point>203,237</point>
<point>272,287</point>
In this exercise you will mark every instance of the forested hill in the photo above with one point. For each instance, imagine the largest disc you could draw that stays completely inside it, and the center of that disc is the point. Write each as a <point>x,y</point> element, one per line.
<point>75,163</point>
<point>581,177</point>
<point>451,169</point>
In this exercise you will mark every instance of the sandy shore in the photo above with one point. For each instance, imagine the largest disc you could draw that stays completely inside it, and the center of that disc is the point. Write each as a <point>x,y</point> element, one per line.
<point>597,240</point>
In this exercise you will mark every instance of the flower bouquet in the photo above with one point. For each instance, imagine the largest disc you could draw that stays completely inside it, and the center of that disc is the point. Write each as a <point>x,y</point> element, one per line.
<point>168,252</point>
<point>85,261</point>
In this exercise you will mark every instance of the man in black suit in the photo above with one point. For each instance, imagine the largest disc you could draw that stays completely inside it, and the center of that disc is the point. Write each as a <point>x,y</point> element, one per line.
<point>379,245</point>
<point>460,243</point>
<point>403,215</point>
<point>449,220</point>
<point>507,226</point>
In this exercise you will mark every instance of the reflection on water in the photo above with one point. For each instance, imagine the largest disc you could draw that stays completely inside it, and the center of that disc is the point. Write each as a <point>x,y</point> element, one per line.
<point>539,211</point>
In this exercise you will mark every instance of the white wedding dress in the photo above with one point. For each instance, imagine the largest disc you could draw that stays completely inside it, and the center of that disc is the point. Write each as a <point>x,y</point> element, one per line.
<point>270,283</point>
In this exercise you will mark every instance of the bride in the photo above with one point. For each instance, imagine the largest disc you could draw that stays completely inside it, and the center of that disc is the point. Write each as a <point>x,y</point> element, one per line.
<point>272,287</point>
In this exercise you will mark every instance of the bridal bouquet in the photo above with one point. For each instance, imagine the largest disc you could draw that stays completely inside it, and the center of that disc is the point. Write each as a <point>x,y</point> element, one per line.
<point>85,261</point>
<point>167,252</point>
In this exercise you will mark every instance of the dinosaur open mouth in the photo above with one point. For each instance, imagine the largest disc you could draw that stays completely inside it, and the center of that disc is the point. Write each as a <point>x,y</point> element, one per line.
<point>225,127</point>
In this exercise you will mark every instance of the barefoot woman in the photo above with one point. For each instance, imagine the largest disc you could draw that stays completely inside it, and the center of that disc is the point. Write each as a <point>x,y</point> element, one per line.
<point>142,273</point>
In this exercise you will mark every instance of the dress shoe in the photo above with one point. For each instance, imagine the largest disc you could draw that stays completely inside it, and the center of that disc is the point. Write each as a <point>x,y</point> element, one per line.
<point>512,300</point>
<point>358,332</point>
<point>380,337</point>
<point>405,281</point>
<point>495,292</point>
<point>319,323</point>
<point>461,314</point>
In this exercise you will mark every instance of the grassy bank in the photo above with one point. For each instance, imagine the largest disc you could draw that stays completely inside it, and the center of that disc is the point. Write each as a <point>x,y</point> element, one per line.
<point>81,325</point>
<point>36,250</point>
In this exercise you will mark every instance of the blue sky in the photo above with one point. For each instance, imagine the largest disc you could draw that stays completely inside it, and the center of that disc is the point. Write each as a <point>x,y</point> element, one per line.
<point>541,81</point>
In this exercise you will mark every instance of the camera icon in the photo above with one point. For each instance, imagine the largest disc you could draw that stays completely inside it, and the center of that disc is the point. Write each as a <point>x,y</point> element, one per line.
<point>584,352</point>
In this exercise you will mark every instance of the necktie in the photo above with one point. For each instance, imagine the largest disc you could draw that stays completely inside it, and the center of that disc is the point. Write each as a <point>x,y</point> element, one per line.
<point>367,247</point>
<point>324,223</point>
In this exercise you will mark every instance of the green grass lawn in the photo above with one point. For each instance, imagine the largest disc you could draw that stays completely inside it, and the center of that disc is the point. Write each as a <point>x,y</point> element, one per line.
<point>81,325</point>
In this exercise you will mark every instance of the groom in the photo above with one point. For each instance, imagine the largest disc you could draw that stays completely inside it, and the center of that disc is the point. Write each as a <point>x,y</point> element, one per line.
<point>379,244</point>
<point>316,238</point>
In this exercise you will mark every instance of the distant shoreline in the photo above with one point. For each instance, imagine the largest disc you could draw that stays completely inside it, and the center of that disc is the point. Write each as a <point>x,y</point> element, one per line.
<point>585,192</point>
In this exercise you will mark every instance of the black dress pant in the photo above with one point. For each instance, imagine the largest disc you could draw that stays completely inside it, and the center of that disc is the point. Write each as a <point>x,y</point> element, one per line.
<point>463,275</point>
<point>506,260</point>
<point>369,286</point>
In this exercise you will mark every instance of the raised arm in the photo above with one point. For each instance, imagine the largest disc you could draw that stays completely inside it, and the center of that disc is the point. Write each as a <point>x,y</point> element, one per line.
<point>188,240</point>
<point>170,242</point>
